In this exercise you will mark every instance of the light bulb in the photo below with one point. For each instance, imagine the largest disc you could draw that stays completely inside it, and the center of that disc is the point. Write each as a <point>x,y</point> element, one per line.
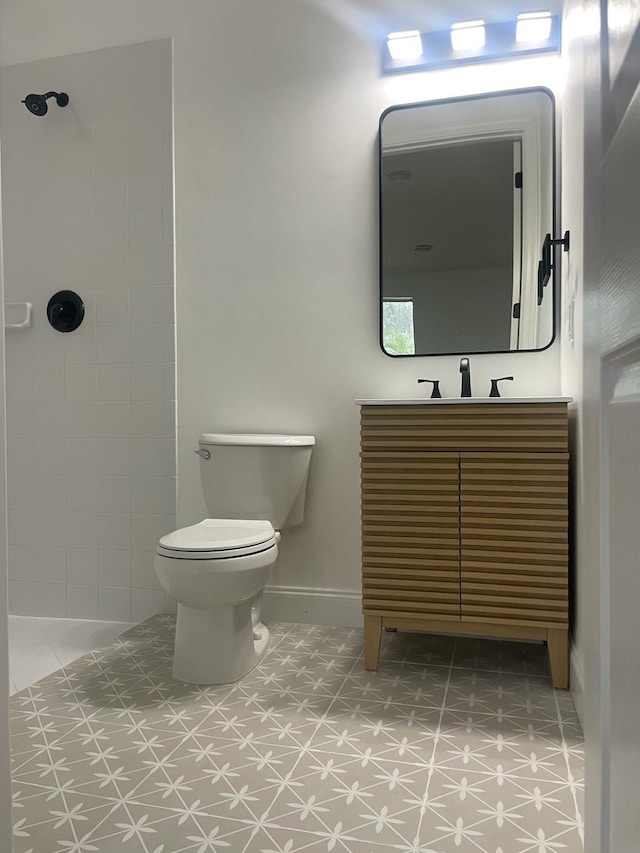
<point>405,45</point>
<point>533,27</point>
<point>468,35</point>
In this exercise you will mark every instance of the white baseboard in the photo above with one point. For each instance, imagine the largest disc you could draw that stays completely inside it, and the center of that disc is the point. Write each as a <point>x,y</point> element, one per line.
<point>577,684</point>
<point>312,605</point>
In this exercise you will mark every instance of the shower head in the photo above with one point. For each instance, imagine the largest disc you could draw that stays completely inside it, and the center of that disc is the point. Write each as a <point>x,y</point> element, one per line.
<point>37,104</point>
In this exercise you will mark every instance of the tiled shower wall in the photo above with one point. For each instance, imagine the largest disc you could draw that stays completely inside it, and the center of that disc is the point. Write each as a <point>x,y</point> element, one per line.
<point>88,206</point>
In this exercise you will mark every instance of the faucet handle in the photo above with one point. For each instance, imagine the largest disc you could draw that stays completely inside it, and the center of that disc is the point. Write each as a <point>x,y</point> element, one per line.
<point>435,394</point>
<point>495,391</point>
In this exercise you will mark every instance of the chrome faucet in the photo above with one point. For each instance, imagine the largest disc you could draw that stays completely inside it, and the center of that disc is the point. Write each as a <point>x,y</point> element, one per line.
<point>466,377</point>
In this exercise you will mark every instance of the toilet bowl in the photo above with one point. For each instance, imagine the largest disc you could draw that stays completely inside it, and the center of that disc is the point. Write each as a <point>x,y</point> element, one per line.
<point>216,570</point>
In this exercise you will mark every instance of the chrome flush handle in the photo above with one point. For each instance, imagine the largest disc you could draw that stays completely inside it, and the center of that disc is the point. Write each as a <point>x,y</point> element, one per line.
<point>204,454</point>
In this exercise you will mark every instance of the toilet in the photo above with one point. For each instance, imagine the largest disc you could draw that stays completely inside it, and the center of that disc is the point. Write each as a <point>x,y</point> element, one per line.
<point>254,486</point>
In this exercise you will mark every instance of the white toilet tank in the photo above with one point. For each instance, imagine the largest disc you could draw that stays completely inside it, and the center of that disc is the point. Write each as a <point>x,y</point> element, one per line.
<point>256,476</point>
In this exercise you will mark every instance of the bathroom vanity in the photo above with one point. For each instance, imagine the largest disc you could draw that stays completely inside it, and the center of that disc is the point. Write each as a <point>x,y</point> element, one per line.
<point>465,520</point>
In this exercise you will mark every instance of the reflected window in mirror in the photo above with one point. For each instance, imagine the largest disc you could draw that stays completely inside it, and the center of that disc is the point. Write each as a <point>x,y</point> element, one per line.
<point>466,197</point>
<point>398,330</point>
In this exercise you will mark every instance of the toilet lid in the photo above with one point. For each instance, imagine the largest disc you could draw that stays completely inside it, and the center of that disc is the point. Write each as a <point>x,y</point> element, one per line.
<point>215,535</point>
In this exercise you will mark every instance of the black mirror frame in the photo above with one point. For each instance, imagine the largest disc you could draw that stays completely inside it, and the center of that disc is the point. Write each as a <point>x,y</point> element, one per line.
<point>553,267</point>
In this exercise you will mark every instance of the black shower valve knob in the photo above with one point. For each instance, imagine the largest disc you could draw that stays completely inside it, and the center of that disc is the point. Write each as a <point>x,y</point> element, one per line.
<point>65,311</point>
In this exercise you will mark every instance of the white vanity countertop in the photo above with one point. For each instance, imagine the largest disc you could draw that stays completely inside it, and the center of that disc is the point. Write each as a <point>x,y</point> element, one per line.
<point>444,401</point>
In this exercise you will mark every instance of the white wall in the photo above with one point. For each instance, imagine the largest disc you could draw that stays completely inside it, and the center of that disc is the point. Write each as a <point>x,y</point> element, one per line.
<point>572,331</point>
<point>5,778</point>
<point>91,413</point>
<point>276,111</point>
<point>581,135</point>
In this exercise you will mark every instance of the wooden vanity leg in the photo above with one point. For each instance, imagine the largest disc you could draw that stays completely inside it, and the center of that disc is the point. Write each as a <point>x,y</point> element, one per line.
<point>558,648</point>
<point>372,635</point>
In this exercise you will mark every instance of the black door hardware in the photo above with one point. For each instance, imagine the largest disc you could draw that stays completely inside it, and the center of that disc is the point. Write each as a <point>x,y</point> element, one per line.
<point>546,264</point>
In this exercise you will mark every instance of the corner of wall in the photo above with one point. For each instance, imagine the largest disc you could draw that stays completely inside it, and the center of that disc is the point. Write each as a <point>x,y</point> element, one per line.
<point>577,682</point>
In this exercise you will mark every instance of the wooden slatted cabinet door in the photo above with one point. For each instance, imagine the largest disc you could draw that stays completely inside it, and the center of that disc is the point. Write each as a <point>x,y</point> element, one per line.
<point>514,538</point>
<point>410,533</point>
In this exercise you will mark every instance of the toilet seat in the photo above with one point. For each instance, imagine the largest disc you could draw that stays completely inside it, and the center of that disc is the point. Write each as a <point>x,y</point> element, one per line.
<point>218,539</point>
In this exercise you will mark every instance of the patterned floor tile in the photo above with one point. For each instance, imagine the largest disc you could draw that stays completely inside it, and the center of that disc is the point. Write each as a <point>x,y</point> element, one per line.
<point>344,642</point>
<point>497,828</point>
<point>274,839</point>
<point>454,745</point>
<point>358,797</point>
<point>379,719</point>
<point>501,656</point>
<point>502,693</point>
<point>402,684</point>
<point>417,648</point>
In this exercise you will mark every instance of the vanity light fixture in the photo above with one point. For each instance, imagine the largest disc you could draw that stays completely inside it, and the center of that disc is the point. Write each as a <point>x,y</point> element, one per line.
<point>533,27</point>
<point>405,45</point>
<point>468,35</point>
<point>535,31</point>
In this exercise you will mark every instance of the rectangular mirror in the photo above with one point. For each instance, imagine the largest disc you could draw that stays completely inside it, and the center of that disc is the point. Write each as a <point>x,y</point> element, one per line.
<point>467,189</point>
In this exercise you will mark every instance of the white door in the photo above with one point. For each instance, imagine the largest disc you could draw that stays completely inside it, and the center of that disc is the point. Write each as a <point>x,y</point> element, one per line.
<point>516,298</point>
<point>619,309</point>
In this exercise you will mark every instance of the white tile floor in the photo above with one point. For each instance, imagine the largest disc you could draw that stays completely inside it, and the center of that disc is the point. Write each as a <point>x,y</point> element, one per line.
<point>38,647</point>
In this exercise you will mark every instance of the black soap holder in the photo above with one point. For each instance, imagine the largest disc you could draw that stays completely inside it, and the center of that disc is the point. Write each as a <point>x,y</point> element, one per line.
<point>65,311</point>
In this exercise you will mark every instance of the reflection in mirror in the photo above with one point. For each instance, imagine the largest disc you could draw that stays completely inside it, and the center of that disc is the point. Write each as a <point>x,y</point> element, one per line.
<point>466,199</point>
